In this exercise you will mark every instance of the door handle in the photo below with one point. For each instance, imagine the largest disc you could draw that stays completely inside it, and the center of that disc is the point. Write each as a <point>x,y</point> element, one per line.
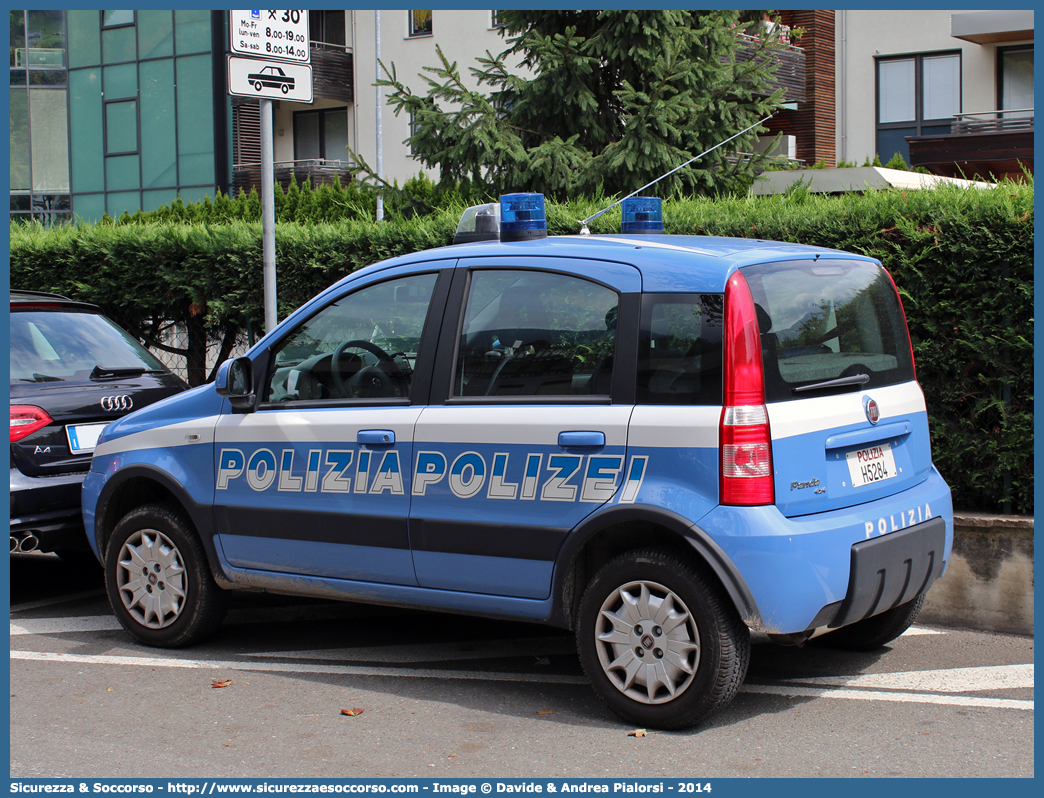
<point>376,437</point>
<point>581,438</point>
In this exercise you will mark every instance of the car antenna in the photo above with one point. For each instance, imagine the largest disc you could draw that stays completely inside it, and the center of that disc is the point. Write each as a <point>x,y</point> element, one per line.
<point>585,232</point>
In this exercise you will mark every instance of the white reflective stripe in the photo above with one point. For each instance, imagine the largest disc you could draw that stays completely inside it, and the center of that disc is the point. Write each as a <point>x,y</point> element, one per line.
<point>183,433</point>
<point>322,427</point>
<point>532,425</point>
<point>802,416</point>
<point>675,426</point>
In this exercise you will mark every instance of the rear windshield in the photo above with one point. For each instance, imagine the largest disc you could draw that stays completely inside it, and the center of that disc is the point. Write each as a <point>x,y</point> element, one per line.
<point>47,346</point>
<point>826,320</point>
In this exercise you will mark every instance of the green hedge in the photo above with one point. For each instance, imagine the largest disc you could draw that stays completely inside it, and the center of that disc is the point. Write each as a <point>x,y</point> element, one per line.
<point>962,259</point>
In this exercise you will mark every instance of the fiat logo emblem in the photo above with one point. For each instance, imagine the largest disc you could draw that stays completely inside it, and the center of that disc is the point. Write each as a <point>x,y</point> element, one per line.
<point>116,403</point>
<point>873,412</point>
<point>647,641</point>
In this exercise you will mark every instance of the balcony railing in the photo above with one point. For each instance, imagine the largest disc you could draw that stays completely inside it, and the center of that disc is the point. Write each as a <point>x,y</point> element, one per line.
<point>790,70</point>
<point>332,72</point>
<point>319,171</point>
<point>970,124</point>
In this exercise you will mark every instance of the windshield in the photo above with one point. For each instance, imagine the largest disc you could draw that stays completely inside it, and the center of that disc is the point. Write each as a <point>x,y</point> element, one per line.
<point>48,346</point>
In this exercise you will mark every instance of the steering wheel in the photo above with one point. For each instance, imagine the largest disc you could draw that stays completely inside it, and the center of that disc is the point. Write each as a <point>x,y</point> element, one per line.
<point>369,381</point>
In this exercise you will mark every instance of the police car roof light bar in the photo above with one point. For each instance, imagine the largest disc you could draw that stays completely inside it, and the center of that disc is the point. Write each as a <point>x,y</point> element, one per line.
<point>522,217</point>
<point>584,231</point>
<point>479,223</point>
<point>642,215</point>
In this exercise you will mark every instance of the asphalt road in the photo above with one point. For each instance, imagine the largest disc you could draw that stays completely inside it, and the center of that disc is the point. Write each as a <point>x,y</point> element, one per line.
<point>445,696</point>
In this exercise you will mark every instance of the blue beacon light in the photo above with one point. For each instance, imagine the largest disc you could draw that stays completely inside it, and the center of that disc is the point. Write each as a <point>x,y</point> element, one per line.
<point>642,215</point>
<point>522,217</point>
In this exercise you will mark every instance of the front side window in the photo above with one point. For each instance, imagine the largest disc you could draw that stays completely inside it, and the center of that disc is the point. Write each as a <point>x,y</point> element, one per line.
<point>362,346</point>
<point>828,320</point>
<point>420,23</point>
<point>679,350</point>
<point>530,333</point>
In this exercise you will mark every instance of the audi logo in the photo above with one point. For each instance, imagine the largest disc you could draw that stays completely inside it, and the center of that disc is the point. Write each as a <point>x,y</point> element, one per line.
<point>115,403</point>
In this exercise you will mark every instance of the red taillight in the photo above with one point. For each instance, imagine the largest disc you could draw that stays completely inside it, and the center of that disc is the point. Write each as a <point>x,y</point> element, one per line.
<point>25,420</point>
<point>906,324</point>
<point>745,452</point>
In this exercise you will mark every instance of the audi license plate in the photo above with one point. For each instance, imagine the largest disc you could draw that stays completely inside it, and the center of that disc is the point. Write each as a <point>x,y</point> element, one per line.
<point>83,437</point>
<point>870,465</point>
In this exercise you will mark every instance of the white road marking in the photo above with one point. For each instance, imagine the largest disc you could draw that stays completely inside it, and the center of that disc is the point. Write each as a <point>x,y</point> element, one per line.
<point>291,667</point>
<point>922,630</point>
<point>426,673</point>
<point>57,626</point>
<point>954,680</point>
<point>903,687</point>
<point>904,698</point>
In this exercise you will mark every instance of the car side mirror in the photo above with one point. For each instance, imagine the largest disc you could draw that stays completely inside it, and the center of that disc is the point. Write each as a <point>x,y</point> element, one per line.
<point>235,381</point>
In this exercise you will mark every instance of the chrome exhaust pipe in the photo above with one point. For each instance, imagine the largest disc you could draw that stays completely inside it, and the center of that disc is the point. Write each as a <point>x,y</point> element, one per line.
<point>29,543</point>
<point>14,544</point>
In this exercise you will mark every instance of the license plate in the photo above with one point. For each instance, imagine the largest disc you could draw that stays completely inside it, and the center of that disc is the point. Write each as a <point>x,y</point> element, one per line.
<point>870,465</point>
<point>83,437</point>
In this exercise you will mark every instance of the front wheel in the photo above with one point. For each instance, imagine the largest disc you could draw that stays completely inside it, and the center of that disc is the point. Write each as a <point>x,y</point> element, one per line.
<point>661,645</point>
<point>158,580</point>
<point>875,631</point>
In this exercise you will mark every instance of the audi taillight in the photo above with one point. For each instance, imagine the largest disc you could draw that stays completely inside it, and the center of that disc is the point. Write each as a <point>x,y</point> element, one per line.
<point>25,420</point>
<point>745,442</point>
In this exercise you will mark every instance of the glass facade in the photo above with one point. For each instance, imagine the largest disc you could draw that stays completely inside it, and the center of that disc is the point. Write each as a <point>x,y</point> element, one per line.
<point>39,157</point>
<point>112,111</point>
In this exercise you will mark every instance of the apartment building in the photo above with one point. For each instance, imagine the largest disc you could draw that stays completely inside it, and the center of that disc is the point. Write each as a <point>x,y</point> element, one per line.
<point>113,111</point>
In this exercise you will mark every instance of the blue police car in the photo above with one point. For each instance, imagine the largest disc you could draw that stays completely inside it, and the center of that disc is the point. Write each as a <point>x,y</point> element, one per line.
<point>660,442</point>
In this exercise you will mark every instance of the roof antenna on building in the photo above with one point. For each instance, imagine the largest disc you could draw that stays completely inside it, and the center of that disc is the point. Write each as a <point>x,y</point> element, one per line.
<point>585,232</point>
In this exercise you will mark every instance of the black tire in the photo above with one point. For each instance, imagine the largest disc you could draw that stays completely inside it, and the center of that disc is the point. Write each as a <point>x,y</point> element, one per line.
<point>158,579</point>
<point>694,668</point>
<point>875,631</point>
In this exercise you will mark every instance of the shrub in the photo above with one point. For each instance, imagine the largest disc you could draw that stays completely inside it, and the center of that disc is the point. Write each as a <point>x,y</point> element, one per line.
<point>961,258</point>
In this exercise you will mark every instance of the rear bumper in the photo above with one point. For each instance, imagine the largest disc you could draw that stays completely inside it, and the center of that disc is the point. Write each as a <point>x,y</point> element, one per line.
<point>47,508</point>
<point>892,570</point>
<point>823,570</point>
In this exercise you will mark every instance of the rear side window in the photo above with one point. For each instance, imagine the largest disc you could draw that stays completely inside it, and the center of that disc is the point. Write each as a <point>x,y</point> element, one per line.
<point>679,349</point>
<point>825,320</point>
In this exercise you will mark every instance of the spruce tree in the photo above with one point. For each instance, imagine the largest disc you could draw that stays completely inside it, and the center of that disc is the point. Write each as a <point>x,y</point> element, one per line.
<point>612,100</point>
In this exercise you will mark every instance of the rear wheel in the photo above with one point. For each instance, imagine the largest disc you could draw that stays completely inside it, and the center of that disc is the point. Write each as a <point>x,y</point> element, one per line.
<point>874,632</point>
<point>158,580</point>
<point>662,647</point>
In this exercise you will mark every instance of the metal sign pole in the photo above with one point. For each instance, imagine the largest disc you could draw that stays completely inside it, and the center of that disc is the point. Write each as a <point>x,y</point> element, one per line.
<point>268,214</point>
<point>277,46</point>
<point>380,105</point>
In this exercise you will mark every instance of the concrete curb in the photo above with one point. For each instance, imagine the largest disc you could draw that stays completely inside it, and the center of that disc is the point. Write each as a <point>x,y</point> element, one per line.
<point>989,582</point>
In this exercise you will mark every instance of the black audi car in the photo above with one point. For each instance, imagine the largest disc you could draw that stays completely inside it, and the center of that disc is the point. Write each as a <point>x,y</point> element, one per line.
<point>72,372</point>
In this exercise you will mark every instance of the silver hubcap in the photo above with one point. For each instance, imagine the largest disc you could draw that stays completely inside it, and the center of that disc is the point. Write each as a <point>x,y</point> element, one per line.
<point>647,642</point>
<point>151,578</point>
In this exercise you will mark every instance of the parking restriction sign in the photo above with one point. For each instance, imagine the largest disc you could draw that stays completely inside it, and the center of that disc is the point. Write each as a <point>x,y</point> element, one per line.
<point>280,35</point>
